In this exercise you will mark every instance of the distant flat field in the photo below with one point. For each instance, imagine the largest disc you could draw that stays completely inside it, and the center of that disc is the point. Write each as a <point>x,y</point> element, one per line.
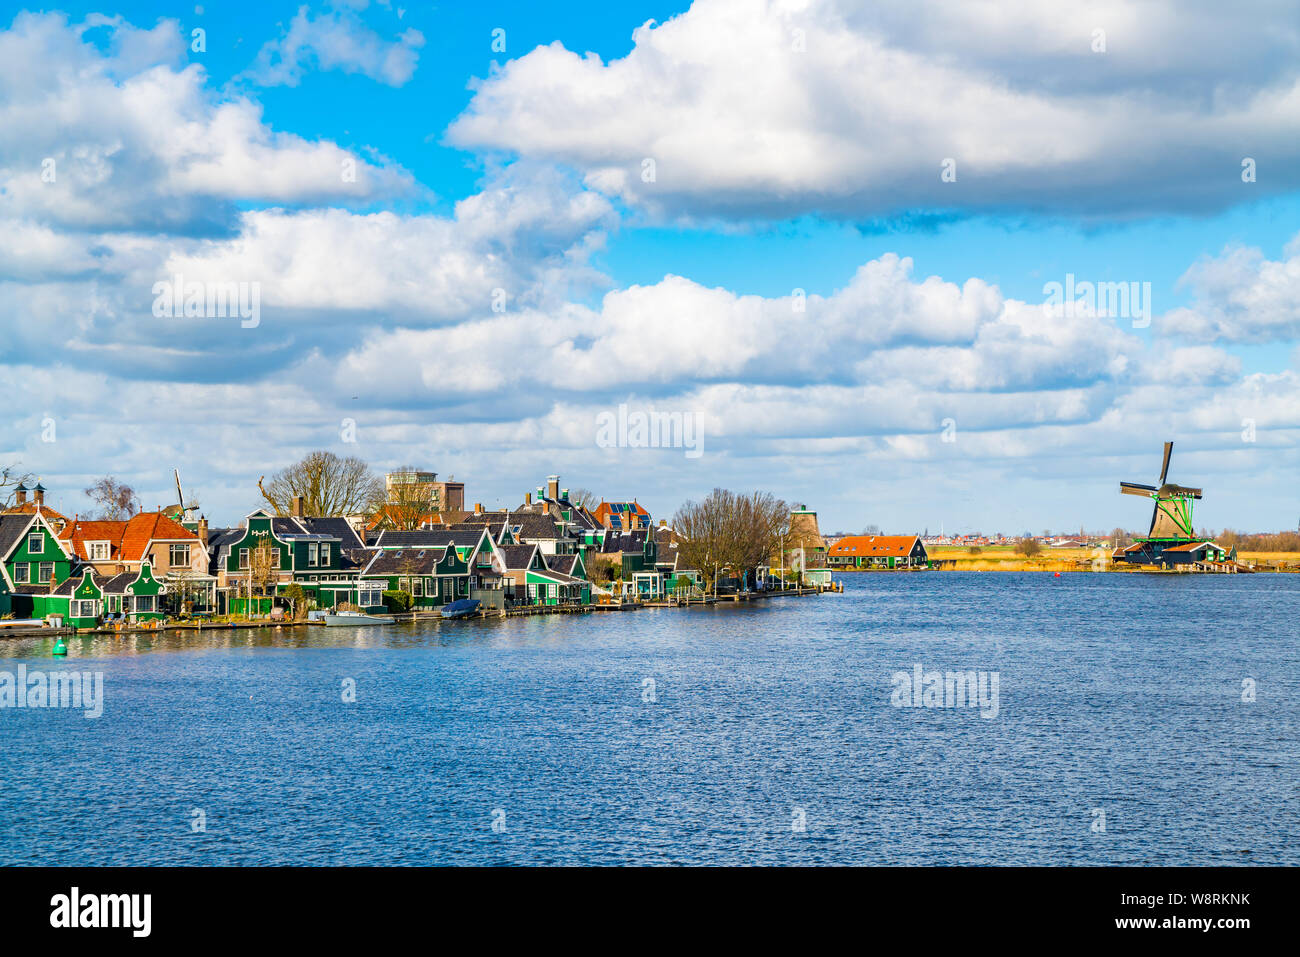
<point>1005,558</point>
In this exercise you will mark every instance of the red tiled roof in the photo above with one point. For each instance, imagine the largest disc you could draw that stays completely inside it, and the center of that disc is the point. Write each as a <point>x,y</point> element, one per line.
<point>895,546</point>
<point>127,540</point>
<point>28,508</point>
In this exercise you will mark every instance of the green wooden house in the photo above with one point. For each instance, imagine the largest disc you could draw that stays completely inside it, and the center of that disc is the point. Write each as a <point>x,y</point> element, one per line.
<point>431,576</point>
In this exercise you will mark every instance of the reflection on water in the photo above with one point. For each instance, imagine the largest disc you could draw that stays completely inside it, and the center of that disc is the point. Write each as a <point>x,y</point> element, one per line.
<point>699,736</point>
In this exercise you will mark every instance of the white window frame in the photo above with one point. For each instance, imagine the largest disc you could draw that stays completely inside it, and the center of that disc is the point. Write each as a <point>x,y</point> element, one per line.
<point>98,551</point>
<point>41,576</point>
<point>85,608</point>
<point>431,591</point>
<point>139,602</point>
<point>417,587</point>
<point>39,539</point>
<point>369,595</point>
<point>324,554</point>
<point>22,573</point>
<point>243,559</point>
<point>185,560</point>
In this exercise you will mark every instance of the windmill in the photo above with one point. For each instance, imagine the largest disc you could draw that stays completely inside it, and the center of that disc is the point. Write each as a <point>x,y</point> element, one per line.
<point>1171,517</point>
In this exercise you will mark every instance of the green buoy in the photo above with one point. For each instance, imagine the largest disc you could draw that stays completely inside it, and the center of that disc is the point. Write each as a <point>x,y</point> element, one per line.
<point>60,649</point>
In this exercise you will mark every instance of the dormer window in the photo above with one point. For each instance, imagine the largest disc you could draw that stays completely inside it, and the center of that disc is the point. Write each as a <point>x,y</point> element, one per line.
<point>98,551</point>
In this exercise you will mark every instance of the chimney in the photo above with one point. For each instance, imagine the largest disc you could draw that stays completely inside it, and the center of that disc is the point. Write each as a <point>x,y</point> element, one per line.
<point>478,508</point>
<point>38,494</point>
<point>553,487</point>
<point>20,494</point>
<point>528,499</point>
<point>203,531</point>
<point>296,507</point>
<point>663,523</point>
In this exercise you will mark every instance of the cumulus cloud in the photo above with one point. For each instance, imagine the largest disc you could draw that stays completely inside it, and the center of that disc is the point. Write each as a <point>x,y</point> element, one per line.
<point>132,140</point>
<point>1240,296</point>
<point>883,327</point>
<point>336,40</point>
<point>758,108</point>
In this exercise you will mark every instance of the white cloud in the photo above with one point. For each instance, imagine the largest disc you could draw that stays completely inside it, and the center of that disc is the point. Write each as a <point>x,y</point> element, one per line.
<point>336,40</point>
<point>740,123</point>
<point>132,140</point>
<point>1241,297</point>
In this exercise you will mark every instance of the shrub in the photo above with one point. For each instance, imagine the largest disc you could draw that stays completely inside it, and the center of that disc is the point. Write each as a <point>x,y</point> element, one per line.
<point>397,600</point>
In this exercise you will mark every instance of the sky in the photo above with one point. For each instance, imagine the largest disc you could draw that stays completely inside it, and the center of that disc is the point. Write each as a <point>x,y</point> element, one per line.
<point>830,240</point>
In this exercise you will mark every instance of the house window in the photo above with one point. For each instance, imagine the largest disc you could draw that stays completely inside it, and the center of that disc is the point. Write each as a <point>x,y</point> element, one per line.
<point>433,588</point>
<point>36,544</point>
<point>368,595</point>
<point>20,573</point>
<point>99,551</point>
<point>144,602</point>
<point>85,609</point>
<point>417,588</point>
<point>311,553</point>
<point>243,558</point>
<point>180,555</point>
<point>324,554</point>
<point>45,573</point>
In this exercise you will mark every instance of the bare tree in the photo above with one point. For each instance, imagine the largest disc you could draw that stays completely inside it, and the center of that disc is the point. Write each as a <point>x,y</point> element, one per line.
<point>10,478</point>
<point>328,484</point>
<point>729,530</point>
<point>409,504</point>
<point>584,498</point>
<point>117,501</point>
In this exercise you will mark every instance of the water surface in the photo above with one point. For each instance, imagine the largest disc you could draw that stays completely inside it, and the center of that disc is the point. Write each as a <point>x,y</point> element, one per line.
<point>702,736</point>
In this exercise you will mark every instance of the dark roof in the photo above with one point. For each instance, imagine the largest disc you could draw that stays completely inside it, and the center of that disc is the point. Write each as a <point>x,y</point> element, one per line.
<point>517,556</point>
<point>560,563</point>
<point>11,529</point>
<point>533,526</point>
<point>335,527</point>
<point>430,537</point>
<point>406,561</point>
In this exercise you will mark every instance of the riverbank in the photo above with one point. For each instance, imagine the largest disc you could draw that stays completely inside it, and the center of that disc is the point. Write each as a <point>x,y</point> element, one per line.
<point>1004,558</point>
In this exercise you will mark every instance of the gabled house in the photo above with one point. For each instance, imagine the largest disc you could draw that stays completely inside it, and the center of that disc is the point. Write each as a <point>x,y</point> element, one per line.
<point>86,597</point>
<point>32,560</point>
<point>175,553</point>
<point>431,576</point>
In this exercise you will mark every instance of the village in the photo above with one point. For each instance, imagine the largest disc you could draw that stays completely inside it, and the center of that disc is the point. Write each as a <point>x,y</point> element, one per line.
<point>421,549</point>
<point>416,549</point>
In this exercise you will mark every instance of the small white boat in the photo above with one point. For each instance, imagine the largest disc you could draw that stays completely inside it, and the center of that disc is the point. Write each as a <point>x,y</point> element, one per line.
<point>355,618</point>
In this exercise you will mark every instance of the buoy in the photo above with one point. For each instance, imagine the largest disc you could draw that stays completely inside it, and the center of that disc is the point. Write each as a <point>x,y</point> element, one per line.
<point>60,649</point>
<point>1058,574</point>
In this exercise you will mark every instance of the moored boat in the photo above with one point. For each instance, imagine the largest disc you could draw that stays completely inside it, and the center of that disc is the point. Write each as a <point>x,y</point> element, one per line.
<point>461,608</point>
<point>354,618</point>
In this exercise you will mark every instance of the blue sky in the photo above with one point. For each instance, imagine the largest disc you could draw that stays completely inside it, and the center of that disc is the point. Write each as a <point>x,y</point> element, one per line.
<point>797,146</point>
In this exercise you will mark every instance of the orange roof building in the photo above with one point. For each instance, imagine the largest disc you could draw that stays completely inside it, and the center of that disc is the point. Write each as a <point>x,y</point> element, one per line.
<point>117,546</point>
<point>877,551</point>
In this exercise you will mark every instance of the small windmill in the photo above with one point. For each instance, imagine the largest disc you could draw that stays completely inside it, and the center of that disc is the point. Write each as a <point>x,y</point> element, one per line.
<point>1171,518</point>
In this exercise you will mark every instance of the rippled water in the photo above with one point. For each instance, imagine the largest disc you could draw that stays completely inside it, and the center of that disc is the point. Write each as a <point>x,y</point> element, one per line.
<point>1118,694</point>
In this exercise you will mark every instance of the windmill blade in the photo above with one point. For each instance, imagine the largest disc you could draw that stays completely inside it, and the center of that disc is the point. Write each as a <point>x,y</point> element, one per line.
<point>1133,488</point>
<point>1164,469</point>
